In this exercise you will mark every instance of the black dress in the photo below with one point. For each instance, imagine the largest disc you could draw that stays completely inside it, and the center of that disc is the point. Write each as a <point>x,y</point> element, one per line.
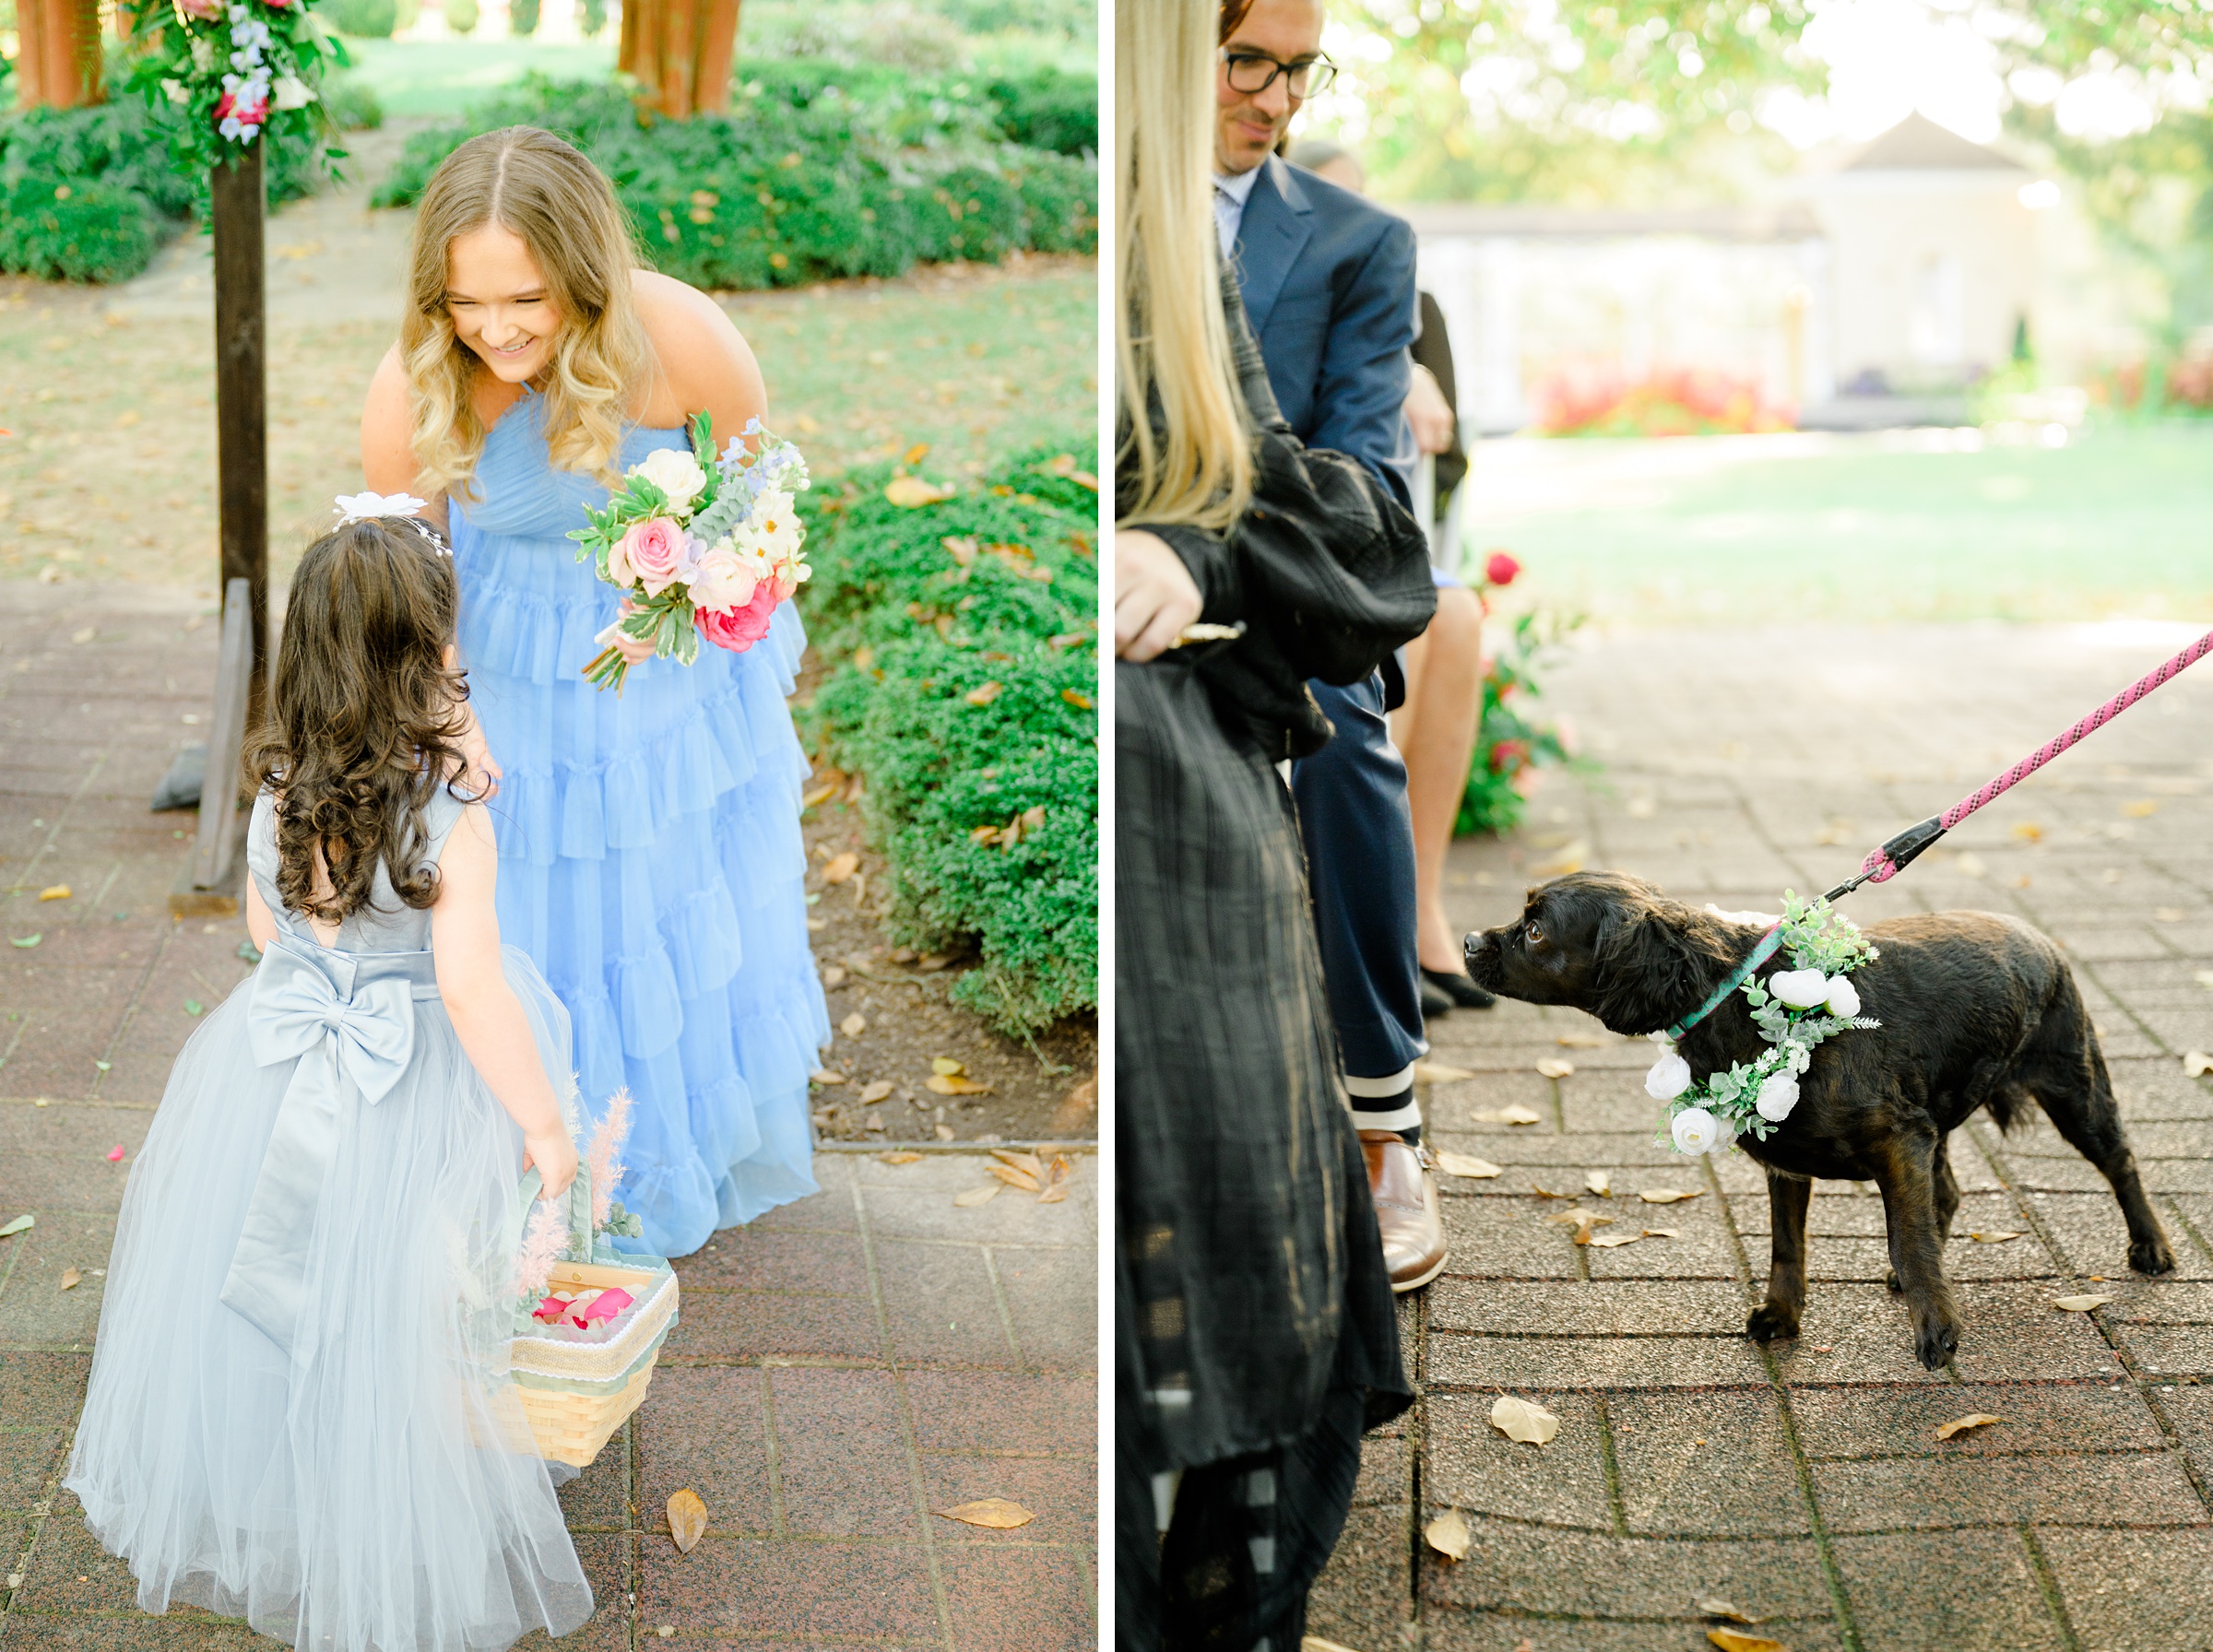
<point>1256,1338</point>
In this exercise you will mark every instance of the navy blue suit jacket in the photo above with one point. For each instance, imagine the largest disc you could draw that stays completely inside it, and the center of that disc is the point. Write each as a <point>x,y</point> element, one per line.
<point>1328,283</point>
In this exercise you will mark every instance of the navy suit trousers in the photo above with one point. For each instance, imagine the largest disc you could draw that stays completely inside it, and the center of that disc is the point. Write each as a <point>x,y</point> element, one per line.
<point>1359,838</point>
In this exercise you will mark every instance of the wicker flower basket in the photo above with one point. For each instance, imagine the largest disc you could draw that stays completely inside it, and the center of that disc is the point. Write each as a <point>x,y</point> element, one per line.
<point>574,1395</point>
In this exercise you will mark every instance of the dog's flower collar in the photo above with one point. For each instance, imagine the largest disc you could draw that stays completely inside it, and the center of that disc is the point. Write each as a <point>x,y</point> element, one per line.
<point>1796,1011</point>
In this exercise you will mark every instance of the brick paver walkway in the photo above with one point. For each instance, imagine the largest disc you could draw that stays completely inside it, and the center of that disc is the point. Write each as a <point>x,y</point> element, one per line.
<point>1803,1482</point>
<point>844,1367</point>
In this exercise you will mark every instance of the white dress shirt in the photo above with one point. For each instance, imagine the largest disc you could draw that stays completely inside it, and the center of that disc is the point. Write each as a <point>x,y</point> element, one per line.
<point>1231,192</point>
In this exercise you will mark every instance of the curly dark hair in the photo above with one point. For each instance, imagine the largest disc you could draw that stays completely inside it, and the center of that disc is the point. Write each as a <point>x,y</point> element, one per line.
<point>363,718</point>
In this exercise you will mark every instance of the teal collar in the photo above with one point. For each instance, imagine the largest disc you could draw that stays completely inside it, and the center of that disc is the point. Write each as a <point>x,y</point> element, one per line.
<point>1743,972</point>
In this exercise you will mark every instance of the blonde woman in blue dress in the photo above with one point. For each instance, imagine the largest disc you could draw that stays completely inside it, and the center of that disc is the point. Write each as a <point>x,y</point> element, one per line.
<point>650,857</point>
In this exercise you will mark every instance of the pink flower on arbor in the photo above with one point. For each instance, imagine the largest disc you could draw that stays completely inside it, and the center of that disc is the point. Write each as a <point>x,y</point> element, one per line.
<point>1502,568</point>
<point>229,108</point>
<point>206,10</point>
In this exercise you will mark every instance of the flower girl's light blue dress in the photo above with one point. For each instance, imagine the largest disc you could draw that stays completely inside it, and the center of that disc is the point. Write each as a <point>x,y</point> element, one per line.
<point>650,857</point>
<point>300,1411</point>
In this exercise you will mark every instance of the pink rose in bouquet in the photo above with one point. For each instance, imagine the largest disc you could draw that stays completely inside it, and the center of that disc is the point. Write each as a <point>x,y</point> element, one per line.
<point>652,552</point>
<point>724,581</point>
<point>740,627</point>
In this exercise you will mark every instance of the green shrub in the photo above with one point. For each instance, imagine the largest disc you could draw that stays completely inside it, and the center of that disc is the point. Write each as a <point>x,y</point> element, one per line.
<point>81,231</point>
<point>369,19</point>
<point>522,17</point>
<point>983,799</point>
<point>593,21</point>
<point>352,103</point>
<point>462,16</point>
<point>1048,109</point>
<point>817,172</point>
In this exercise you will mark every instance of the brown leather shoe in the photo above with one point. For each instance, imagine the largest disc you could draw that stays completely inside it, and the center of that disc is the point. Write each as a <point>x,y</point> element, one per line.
<point>1405,1190</point>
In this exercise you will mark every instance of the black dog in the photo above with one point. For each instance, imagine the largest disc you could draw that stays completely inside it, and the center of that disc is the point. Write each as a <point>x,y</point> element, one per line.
<point>1977,1011</point>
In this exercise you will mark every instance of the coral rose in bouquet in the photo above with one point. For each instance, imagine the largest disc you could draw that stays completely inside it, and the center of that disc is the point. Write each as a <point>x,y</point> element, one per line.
<point>700,547</point>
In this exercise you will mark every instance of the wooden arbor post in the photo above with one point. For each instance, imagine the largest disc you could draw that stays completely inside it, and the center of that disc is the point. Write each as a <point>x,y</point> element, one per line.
<point>680,50</point>
<point>238,199</point>
<point>58,56</point>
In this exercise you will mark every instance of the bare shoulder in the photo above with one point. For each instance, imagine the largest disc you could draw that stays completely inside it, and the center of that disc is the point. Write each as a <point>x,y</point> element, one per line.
<point>388,450</point>
<point>704,361</point>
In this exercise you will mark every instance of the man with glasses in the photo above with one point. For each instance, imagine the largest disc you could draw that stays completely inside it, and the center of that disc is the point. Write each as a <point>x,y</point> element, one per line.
<point>1328,283</point>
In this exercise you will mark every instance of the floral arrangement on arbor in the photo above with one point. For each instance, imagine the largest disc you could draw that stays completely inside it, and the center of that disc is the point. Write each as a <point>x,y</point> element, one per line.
<point>224,74</point>
<point>1796,1011</point>
<point>1511,742</point>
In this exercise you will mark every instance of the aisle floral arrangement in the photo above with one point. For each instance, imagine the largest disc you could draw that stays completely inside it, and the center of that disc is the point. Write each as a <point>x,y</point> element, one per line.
<point>1796,1011</point>
<point>1512,741</point>
<point>699,545</point>
<point>230,73</point>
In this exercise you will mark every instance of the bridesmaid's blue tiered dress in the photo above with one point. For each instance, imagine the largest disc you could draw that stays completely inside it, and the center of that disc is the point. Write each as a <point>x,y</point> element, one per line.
<point>650,857</point>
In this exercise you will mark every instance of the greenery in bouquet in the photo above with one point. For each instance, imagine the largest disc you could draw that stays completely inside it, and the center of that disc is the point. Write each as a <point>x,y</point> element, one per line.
<point>223,75</point>
<point>1512,741</point>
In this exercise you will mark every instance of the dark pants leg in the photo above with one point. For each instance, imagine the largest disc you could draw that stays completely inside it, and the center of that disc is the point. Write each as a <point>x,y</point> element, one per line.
<point>1359,838</point>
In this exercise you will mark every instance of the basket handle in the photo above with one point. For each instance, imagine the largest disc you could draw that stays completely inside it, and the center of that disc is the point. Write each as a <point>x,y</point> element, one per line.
<point>578,1199</point>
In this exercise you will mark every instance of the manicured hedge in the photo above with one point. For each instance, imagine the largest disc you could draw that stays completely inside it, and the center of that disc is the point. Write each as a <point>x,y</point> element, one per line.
<point>921,611</point>
<point>817,171</point>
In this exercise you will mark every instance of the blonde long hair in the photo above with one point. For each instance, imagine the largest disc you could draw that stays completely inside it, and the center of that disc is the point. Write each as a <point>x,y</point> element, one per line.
<point>543,190</point>
<point>1172,355</point>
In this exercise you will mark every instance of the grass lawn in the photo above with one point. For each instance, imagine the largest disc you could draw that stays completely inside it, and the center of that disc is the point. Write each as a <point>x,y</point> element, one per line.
<point>441,77</point>
<point>110,470</point>
<point>2117,523</point>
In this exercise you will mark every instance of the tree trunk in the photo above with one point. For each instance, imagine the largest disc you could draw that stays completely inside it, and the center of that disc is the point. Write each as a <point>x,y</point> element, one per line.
<point>680,50</point>
<point>58,56</point>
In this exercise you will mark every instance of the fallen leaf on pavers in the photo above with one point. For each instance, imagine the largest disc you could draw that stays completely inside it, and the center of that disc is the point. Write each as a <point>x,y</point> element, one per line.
<point>841,866</point>
<point>1079,1106</point>
<point>1715,1607</point>
<point>1436,1072</point>
<point>945,1134</point>
<point>1960,1425</point>
<point>995,1514</point>
<point>2142,808</point>
<point>1017,1175</point>
<point>1599,1182</point>
<point>825,1075</point>
<point>2029,832</point>
<point>1548,1193</point>
<point>2080,1305</point>
<point>21,1224</point>
<point>72,1277</point>
<point>1998,1236</point>
<point>901,1158</point>
<point>59,892</point>
<point>2195,1063</point>
<point>909,491</point>
<point>1668,1196</point>
<point>1464,1164</point>
<point>822,794</point>
<point>1582,1041</point>
<point>875,1090</point>
<point>1569,860</point>
<point>1523,1421</point>
<point>25,940</point>
<point>1447,1534</point>
<point>969,1197</point>
<point>946,1066</point>
<point>954,1084</point>
<point>834,976</point>
<point>1516,1114</point>
<point>1611,1240</point>
<point>687,1520</point>
<point>854,1025</point>
<point>1555,1066</point>
<point>1728,1640</point>
<point>1663,1233</point>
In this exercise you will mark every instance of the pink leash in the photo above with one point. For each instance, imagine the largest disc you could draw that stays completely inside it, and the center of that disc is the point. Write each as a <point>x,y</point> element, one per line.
<point>1892,857</point>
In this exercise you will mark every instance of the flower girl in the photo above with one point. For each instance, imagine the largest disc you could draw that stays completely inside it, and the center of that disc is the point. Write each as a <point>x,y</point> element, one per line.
<point>300,1410</point>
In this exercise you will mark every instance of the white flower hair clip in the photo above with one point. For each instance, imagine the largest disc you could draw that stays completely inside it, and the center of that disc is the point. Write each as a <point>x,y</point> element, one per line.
<point>375,507</point>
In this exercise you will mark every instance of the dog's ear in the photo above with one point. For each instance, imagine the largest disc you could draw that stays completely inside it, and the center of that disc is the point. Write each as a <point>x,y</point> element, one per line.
<point>1649,972</point>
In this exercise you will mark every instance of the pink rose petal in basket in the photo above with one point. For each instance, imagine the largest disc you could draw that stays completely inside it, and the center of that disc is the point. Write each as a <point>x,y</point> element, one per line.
<point>605,1306</point>
<point>551,1311</point>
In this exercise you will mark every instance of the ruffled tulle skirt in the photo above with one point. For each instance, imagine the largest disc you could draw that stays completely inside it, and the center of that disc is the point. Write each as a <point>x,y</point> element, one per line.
<point>371,1488</point>
<point>651,863</point>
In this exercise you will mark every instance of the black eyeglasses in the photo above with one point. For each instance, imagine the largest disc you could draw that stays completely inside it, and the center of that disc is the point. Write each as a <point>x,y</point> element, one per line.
<point>1252,73</point>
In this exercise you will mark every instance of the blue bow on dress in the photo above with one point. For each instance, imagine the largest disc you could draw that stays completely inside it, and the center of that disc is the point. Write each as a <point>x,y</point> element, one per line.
<point>347,1020</point>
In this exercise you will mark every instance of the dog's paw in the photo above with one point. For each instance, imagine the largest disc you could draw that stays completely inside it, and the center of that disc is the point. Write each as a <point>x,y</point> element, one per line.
<point>1892,1280</point>
<point>2150,1256</point>
<point>1936,1342</point>
<point>1771,1322</point>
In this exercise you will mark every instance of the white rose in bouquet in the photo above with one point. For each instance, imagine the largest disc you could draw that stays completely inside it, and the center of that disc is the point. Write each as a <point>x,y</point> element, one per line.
<point>1843,998</point>
<point>1670,1078</point>
<point>1776,1098</point>
<point>1696,1131</point>
<point>1801,989</point>
<point>676,473</point>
